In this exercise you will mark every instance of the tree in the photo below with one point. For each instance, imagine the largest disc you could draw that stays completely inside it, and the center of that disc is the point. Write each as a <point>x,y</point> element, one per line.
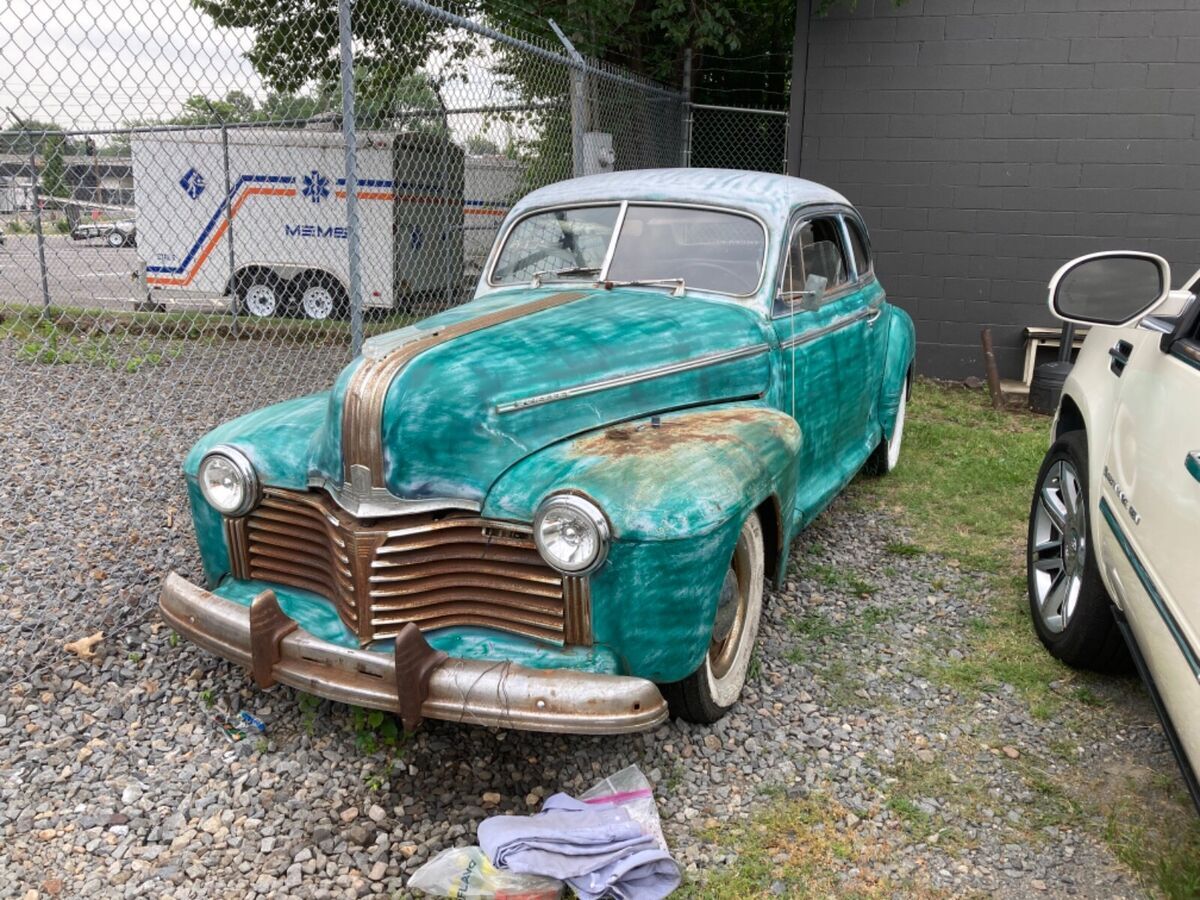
<point>481,146</point>
<point>54,169</point>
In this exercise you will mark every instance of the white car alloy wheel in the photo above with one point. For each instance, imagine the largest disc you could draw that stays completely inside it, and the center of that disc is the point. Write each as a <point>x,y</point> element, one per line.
<point>893,445</point>
<point>738,615</point>
<point>115,239</point>
<point>260,300</point>
<point>317,302</point>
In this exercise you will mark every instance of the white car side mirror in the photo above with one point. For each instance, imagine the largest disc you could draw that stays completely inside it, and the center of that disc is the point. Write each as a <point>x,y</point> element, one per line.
<point>1111,288</point>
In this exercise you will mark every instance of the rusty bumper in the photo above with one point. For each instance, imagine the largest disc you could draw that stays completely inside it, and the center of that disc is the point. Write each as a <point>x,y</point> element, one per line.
<point>414,681</point>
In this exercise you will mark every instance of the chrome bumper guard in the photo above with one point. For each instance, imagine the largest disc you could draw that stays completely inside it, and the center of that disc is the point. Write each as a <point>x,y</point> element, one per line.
<point>430,685</point>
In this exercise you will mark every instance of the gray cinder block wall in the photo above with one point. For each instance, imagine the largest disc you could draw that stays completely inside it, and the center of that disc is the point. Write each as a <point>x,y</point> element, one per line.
<point>988,142</point>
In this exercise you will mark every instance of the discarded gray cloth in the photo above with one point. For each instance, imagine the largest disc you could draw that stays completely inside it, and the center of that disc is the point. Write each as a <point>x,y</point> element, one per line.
<point>596,848</point>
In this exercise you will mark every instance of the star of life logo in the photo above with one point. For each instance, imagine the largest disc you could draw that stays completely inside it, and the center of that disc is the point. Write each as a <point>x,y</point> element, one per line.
<point>316,186</point>
<point>192,183</point>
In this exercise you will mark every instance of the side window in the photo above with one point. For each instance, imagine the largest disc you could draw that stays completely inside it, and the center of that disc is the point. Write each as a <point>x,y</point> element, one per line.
<point>815,266</point>
<point>858,246</point>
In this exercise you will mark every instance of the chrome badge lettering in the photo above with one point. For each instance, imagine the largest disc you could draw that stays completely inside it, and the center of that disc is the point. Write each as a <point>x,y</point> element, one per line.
<point>1123,497</point>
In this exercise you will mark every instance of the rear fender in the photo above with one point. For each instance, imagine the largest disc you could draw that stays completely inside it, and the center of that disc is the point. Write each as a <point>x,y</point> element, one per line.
<point>897,367</point>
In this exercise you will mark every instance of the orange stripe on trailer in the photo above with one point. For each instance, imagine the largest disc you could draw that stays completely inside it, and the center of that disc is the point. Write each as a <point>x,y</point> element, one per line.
<point>212,241</point>
<point>368,195</point>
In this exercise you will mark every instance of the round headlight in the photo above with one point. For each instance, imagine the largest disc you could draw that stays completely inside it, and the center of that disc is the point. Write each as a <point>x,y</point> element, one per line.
<point>228,481</point>
<point>571,534</point>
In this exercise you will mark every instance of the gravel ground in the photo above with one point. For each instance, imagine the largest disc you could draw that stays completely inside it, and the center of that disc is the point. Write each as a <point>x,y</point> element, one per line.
<point>113,782</point>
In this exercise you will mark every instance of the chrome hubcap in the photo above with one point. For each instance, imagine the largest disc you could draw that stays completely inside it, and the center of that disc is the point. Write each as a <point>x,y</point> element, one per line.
<point>731,611</point>
<point>317,302</point>
<point>260,300</point>
<point>1058,554</point>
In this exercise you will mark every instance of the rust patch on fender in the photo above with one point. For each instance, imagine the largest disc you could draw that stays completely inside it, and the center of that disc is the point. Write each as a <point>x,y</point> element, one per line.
<point>646,438</point>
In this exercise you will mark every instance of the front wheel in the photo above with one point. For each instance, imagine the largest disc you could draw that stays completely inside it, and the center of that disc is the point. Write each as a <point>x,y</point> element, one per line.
<point>712,690</point>
<point>260,298</point>
<point>115,238</point>
<point>1071,609</point>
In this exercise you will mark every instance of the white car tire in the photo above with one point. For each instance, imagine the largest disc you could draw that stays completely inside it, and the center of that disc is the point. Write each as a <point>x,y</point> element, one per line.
<point>711,691</point>
<point>886,456</point>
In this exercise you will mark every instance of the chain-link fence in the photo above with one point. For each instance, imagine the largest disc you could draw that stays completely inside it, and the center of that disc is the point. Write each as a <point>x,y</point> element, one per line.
<point>206,207</point>
<point>731,137</point>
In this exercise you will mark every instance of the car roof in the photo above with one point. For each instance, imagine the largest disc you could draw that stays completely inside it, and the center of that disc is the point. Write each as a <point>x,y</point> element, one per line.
<point>769,195</point>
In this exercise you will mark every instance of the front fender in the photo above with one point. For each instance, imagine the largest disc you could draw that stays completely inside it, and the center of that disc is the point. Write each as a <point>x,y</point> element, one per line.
<point>676,494</point>
<point>897,366</point>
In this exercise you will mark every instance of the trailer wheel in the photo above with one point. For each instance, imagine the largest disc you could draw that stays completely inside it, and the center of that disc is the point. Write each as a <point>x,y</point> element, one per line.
<point>259,296</point>
<point>321,297</point>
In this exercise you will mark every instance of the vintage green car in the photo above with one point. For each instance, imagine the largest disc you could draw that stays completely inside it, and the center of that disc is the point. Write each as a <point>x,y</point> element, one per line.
<point>554,507</point>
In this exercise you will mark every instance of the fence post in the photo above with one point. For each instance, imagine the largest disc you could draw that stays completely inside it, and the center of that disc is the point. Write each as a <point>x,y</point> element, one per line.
<point>685,120</point>
<point>579,110</point>
<point>233,287</point>
<point>37,219</point>
<point>349,132</point>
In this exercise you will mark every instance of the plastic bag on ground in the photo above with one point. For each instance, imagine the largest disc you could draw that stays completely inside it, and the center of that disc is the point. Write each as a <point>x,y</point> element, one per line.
<point>466,873</point>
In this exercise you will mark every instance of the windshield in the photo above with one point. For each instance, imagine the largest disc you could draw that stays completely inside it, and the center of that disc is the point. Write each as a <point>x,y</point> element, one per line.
<point>570,241</point>
<point>707,249</point>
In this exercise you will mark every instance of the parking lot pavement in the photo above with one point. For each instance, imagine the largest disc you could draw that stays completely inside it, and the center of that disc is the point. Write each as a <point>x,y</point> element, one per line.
<point>114,780</point>
<point>86,274</point>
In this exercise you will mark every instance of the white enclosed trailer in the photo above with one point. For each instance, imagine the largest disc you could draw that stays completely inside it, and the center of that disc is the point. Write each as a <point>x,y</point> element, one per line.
<point>259,215</point>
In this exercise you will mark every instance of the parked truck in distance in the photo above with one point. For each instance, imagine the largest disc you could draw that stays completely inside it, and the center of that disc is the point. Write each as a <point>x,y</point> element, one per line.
<point>259,216</point>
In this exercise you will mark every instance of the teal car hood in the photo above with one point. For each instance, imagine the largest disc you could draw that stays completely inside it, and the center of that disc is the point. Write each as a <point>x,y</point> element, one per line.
<point>517,378</point>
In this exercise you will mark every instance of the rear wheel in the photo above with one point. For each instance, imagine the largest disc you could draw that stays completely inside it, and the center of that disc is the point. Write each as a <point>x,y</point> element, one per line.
<point>711,691</point>
<point>887,454</point>
<point>321,297</point>
<point>1071,610</point>
<point>115,238</point>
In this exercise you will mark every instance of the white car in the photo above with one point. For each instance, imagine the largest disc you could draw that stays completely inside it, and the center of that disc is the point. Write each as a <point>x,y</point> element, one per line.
<point>1113,557</point>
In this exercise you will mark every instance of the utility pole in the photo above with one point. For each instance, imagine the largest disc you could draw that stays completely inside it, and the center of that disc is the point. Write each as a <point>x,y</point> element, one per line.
<point>795,126</point>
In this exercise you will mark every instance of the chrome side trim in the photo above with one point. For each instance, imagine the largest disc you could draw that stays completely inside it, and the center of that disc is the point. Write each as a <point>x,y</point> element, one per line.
<point>836,325</point>
<point>482,692</point>
<point>365,501</point>
<point>604,384</point>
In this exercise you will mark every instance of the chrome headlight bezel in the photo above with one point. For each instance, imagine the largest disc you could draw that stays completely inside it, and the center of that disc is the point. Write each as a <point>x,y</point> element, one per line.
<point>251,489</point>
<point>588,514</point>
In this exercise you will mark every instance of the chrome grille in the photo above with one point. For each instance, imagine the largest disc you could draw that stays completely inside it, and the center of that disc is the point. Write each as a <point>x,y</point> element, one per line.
<point>433,569</point>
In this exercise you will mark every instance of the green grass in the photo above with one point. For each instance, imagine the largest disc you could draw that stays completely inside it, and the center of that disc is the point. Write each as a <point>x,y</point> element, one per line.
<point>805,846</point>
<point>130,340</point>
<point>963,490</point>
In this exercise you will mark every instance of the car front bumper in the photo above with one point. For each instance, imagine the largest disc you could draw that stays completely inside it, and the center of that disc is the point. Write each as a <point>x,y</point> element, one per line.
<point>480,692</point>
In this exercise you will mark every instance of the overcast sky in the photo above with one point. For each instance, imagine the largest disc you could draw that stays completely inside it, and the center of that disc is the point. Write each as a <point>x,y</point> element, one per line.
<point>98,63</point>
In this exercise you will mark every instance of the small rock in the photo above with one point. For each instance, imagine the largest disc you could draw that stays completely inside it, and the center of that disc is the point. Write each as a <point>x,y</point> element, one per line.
<point>376,814</point>
<point>349,814</point>
<point>378,871</point>
<point>1011,752</point>
<point>491,798</point>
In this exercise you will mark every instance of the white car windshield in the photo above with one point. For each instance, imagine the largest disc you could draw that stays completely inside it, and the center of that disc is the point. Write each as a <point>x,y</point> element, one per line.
<point>707,249</point>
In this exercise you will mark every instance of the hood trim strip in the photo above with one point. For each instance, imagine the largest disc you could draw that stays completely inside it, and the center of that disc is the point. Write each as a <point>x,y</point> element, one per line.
<point>362,408</point>
<point>604,384</point>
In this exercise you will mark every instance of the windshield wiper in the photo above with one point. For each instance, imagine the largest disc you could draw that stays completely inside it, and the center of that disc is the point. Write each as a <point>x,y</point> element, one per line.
<point>539,277</point>
<point>677,291</point>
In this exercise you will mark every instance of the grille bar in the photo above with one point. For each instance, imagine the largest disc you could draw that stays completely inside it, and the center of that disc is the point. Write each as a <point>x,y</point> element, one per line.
<point>437,570</point>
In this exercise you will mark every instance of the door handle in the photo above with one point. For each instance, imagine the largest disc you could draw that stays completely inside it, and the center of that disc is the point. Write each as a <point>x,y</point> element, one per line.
<point>1191,462</point>
<point>874,317</point>
<point>1119,352</point>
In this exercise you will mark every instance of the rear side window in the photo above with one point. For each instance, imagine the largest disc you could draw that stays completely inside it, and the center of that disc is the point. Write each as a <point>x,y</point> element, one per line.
<point>815,265</point>
<point>858,246</point>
